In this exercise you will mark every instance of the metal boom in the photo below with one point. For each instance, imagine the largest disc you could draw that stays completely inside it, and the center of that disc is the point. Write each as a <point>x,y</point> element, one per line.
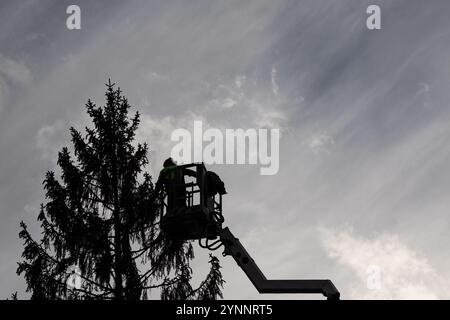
<point>234,248</point>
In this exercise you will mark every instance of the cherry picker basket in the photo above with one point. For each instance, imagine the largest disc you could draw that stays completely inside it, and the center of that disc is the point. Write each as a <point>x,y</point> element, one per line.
<point>188,210</point>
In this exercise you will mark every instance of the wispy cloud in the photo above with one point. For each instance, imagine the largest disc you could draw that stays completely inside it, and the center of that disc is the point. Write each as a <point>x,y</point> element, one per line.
<point>258,105</point>
<point>12,73</point>
<point>49,139</point>
<point>320,143</point>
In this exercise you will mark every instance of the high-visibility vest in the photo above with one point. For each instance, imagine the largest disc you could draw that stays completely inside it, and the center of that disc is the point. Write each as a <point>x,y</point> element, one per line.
<point>169,172</point>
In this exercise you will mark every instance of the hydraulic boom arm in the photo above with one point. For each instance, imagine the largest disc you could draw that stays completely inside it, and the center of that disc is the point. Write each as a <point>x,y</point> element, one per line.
<point>234,248</point>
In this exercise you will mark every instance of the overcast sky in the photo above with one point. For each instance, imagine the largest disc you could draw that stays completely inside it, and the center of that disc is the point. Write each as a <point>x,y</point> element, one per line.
<point>364,116</point>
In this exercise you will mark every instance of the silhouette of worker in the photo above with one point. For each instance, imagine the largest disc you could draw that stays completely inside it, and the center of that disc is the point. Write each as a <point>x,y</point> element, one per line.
<point>215,184</point>
<point>174,185</point>
<point>173,180</point>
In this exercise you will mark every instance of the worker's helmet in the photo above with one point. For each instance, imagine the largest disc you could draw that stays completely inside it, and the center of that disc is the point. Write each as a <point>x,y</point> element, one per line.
<point>169,162</point>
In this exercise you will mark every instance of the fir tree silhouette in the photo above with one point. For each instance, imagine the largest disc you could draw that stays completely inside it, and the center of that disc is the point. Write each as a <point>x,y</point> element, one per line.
<point>102,216</point>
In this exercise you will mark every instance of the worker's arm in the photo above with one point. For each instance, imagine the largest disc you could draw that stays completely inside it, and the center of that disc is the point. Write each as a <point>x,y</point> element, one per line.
<point>189,172</point>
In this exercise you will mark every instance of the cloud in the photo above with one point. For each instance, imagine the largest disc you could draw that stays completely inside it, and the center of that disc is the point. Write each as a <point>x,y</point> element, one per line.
<point>424,93</point>
<point>229,103</point>
<point>12,73</point>
<point>259,105</point>
<point>49,139</point>
<point>156,77</point>
<point>423,88</point>
<point>239,81</point>
<point>383,267</point>
<point>320,143</point>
